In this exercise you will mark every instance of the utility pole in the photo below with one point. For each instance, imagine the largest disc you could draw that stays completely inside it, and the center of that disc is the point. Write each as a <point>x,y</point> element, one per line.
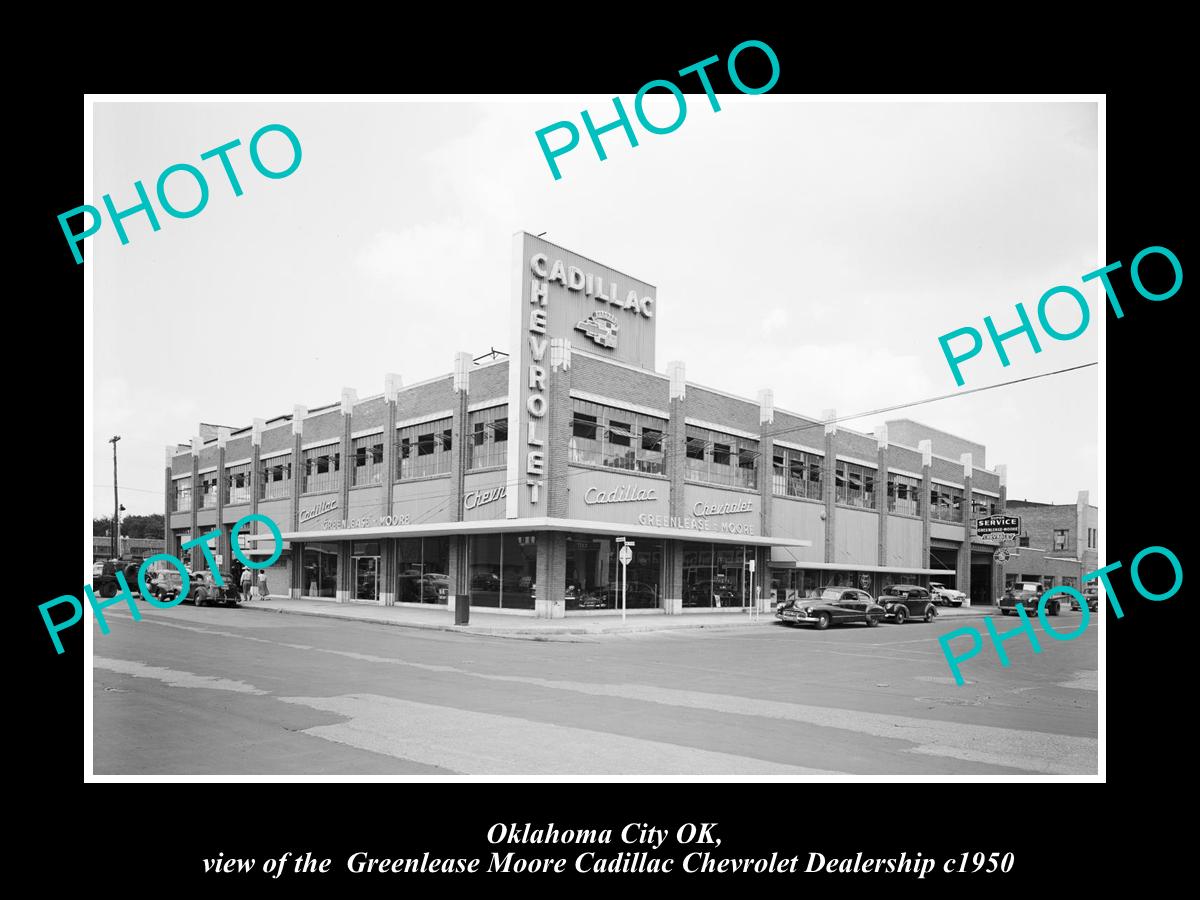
<point>116,529</point>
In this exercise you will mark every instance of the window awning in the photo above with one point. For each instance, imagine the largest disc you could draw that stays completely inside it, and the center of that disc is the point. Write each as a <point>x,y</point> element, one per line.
<point>543,523</point>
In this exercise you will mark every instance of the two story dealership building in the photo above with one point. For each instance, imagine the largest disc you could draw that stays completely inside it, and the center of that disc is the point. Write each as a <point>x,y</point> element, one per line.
<point>507,484</point>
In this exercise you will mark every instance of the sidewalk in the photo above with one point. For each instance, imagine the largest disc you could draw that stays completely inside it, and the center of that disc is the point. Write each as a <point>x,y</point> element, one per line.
<point>439,618</point>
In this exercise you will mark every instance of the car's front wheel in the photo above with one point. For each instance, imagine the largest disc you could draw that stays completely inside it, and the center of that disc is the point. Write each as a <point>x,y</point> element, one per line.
<point>823,621</point>
<point>901,615</point>
<point>872,621</point>
<point>199,599</point>
<point>929,614</point>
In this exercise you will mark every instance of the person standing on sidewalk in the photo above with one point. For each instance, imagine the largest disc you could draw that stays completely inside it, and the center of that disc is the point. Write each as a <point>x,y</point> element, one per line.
<point>262,585</point>
<point>245,584</point>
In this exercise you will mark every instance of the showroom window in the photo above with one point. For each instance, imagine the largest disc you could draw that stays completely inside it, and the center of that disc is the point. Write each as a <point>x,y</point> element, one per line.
<point>592,571</point>
<point>716,575</point>
<point>422,565</point>
<point>502,570</point>
<point>320,569</point>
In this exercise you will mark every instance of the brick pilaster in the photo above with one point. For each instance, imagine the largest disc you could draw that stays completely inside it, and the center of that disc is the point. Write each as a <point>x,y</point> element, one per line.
<point>829,483</point>
<point>926,448</point>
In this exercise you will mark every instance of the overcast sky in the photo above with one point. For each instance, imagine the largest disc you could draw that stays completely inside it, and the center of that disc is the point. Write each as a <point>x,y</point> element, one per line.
<point>818,249</point>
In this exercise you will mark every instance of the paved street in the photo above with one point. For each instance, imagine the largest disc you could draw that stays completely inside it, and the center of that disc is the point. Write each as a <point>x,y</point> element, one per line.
<point>245,691</point>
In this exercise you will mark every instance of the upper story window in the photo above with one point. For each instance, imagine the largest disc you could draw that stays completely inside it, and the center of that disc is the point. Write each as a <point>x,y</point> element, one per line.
<point>423,450</point>
<point>982,505</point>
<point>237,484</point>
<point>797,474</point>
<point>720,458</point>
<point>181,499</point>
<point>488,443</point>
<point>276,480</point>
<point>322,468</point>
<point>1093,538</point>
<point>368,460</point>
<point>945,502</point>
<point>904,494</point>
<point>208,490</point>
<point>608,436</point>
<point>1060,538</point>
<point>855,485</point>
<point>1023,540</point>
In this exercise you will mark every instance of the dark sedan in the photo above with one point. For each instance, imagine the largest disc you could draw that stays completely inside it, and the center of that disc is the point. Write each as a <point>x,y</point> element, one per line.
<point>1028,600</point>
<point>834,605</point>
<point>908,601</point>
<point>204,589</point>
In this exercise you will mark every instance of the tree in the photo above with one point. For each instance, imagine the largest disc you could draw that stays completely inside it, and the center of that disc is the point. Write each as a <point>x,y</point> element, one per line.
<point>131,526</point>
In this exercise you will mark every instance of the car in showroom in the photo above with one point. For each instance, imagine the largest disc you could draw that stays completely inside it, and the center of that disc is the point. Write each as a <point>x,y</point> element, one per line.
<point>204,590</point>
<point>832,606</point>
<point>716,592</point>
<point>1091,595</point>
<point>908,601</point>
<point>1026,594</point>
<point>946,596</point>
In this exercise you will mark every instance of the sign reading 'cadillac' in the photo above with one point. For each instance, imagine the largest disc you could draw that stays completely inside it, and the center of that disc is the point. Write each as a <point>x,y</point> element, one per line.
<point>625,494</point>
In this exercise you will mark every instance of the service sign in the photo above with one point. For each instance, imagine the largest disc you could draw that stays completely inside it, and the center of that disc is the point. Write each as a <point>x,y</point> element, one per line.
<point>560,296</point>
<point>998,529</point>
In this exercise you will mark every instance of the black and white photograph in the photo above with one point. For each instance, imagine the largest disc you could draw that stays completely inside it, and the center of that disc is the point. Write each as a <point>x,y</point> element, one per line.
<point>685,435</point>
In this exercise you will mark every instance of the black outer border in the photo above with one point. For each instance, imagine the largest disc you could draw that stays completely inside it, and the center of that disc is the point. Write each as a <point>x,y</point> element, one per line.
<point>1053,829</point>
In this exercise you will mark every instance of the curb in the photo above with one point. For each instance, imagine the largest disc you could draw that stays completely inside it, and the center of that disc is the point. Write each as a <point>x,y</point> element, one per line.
<point>549,632</point>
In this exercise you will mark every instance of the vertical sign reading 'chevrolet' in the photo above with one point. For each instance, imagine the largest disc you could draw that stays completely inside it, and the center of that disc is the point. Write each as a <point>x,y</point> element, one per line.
<point>560,297</point>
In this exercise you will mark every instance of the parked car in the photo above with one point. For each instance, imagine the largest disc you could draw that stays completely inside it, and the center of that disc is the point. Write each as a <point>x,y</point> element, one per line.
<point>908,601</point>
<point>1091,596</point>
<point>165,584</point>
<point>636,594</point>
<point>205,589</point>
<point>834,605</point>
<point>946,596</point>
<point>1026,594</point>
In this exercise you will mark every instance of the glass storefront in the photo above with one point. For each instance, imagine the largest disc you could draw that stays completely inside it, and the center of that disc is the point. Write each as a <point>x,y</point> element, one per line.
<point>502,570</point>
<point>716,575</point>
<point>593,570</point>
<point>421,567</point>
<point>364,563</point>
<point>320,570</point>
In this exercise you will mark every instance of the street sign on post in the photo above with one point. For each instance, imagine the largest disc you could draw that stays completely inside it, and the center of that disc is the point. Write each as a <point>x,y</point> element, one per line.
<point>750,563</point>
<point>625,557</point>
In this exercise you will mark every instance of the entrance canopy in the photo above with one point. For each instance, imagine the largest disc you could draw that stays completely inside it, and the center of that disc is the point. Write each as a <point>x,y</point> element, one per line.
<point>543,523</point>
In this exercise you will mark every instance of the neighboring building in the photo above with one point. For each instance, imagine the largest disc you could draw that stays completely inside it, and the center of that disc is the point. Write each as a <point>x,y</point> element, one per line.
<point>1059,543</point>
<point>130,547</point>
<point>506,484</point>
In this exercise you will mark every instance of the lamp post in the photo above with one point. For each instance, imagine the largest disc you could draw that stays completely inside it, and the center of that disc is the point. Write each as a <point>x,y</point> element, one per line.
<point>116,532</point>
